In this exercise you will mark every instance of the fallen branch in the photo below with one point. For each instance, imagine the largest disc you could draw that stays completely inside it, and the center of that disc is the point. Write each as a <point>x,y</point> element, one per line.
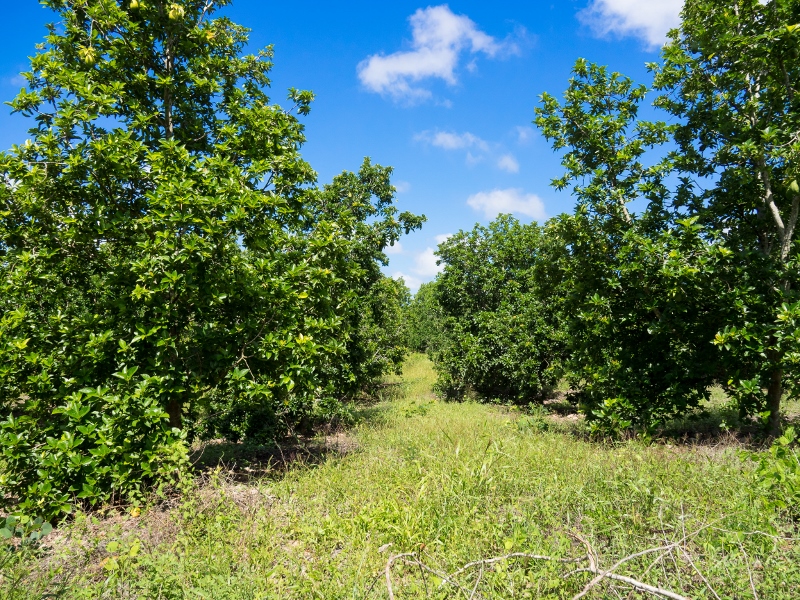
<point>591,557</point>
<point>411,558</point>
<point>609,573</point>
<point>632,582</point>
<point>389,564</point>
<point>489,561</point>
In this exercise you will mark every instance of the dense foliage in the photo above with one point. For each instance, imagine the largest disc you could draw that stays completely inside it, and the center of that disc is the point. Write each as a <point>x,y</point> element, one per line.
<point>168,267</point>
<point>641,310</point>
<point>678,269</point>
<point>729,76</point>
<point>423,320</point>
<point>500,340</point>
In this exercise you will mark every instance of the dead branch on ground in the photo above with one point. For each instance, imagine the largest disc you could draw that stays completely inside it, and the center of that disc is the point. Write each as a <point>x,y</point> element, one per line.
<point>591,557</point>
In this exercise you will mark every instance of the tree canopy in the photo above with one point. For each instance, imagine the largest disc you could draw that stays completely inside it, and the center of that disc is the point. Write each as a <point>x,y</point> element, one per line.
<point>169,267</point>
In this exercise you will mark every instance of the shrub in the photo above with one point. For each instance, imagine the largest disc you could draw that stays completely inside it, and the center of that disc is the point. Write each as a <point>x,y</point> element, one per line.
<point>168,266</point>
<point>501,339</point>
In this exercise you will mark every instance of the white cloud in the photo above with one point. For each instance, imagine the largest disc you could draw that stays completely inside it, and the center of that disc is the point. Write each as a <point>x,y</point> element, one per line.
<point>513,200</point>
<point>524,134</point>
<point>649,20</point>
<point>508,163</point>
<point>412,282</point>
<point>402,187</point>
<point>425,263</point>
<point>439,37</point>
<point>443,237</point>
<point>16,81</point>
<point>424,267</point>
<point>477,149</point>
<point>397,248</point>
<point>449,140</point>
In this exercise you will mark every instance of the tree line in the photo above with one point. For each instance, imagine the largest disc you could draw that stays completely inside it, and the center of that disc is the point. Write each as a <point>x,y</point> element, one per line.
<point>172,270</point>
<point>678,269</point>
<point>170,267</point>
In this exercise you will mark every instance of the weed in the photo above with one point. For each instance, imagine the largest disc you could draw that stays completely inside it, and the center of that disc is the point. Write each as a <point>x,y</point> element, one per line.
<point>449,485</point>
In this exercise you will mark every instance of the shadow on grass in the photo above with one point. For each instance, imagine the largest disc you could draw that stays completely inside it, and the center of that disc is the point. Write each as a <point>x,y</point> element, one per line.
<point>716,424</point>
<point>248,461</point>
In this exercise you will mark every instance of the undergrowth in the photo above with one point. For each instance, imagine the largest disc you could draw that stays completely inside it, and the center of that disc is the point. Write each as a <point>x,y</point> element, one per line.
<point>448,484</point>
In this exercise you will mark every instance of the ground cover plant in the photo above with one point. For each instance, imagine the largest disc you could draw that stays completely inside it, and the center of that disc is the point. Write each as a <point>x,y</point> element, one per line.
<point>444,484</point>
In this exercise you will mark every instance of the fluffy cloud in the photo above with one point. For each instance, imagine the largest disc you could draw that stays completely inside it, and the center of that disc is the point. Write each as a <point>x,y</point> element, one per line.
<point>425,263</point>
<point>449,140</point>
<point>396,248</point>
<point>402,187</point>
<point>443,237</point>
<point>508,163</point>
<point>524,134</point>
<point>439,38</point>
<point>513,200</point>
<point>477,149</point>
<point>412,282</point>
<point>649,20</point>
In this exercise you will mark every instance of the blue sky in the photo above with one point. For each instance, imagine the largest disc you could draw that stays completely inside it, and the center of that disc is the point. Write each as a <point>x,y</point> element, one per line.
<point>444,93</point>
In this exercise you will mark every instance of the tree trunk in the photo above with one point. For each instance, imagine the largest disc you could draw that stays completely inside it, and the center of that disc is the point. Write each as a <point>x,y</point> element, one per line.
<point>774,393</point>
<point>175,412</point>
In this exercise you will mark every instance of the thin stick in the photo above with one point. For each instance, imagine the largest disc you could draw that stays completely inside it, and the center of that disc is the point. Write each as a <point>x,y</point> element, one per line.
<point>388,571</point>
<point>590,553</point>
<point>753,533</point>
<point>411,558</point>
<point>696,570</point>
<point>636,584</point>
<point>489,561</point>
<point>603,574</point>
<point>477,582</point>
<point>749,571</point>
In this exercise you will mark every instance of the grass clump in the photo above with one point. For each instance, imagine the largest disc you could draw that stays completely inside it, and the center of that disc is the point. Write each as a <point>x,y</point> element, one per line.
<point>448,484</point>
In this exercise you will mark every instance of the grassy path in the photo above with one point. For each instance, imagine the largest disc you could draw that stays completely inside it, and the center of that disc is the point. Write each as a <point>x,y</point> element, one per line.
<point>451,483</point>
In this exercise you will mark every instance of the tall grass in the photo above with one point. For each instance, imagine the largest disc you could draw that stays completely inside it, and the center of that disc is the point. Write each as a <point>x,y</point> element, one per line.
<point>451,483</point>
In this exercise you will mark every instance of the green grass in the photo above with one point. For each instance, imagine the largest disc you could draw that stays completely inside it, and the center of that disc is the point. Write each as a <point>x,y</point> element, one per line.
<point>451,483</point>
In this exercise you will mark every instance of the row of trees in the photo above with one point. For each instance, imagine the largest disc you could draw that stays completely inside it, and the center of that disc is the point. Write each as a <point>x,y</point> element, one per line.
<point>169,267</point>
<point>643,310</point>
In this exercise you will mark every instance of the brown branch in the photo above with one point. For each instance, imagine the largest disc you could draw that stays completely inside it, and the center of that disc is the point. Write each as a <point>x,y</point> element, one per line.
<point>590,557</point>
<point>634,583</point>
<point>609,573</point>
<point>388,571</point>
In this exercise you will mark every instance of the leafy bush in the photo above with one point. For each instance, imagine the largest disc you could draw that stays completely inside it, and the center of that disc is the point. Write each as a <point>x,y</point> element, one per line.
<point>19,539</point>
<point>97,445</point>
<point>778,474</point>
<point>168,267</point>
<point>501,339</point>
<point>639,321</point>
<point>26,531</point>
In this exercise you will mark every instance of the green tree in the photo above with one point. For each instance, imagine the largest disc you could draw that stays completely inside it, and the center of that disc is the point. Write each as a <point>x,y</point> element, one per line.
<point>501,341</point>
<point>164,252</point>
<point>637,296</point>
<point>424,320</point>
<point>729,75</point>
<point>713,259</point>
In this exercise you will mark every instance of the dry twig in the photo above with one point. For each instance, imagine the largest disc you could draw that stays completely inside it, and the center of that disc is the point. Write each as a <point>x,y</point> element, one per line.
<point>591,557</point>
